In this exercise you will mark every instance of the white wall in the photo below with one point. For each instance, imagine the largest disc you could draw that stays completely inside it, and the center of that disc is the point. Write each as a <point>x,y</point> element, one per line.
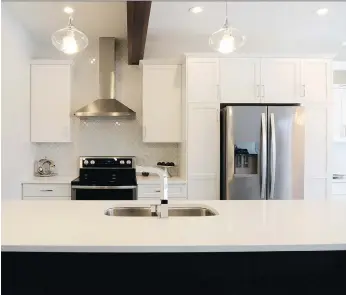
<point>100,137</point>
<point>16,149</point>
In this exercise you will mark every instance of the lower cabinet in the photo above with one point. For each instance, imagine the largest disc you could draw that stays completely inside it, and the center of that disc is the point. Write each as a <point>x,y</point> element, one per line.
<point>203,188</point>
<point>46,192</point>
<point>152,191</point>
<point>316,189</point>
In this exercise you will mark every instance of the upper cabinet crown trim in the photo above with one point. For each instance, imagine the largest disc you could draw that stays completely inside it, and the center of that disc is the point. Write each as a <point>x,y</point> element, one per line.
<point>170,61</point>
<point>51,62</point>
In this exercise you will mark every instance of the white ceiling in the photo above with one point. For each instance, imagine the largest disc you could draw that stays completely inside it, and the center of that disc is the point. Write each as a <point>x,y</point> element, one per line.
<point>41,19</point>
<point>278,26</point>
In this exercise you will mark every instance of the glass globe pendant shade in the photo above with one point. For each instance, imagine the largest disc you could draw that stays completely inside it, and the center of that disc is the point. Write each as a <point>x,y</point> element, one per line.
<point>227,39</point>
<point>70,40</point>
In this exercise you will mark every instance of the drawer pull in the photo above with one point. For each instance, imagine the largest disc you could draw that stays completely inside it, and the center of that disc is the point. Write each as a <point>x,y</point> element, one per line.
<point>157,191</point>
<point>46,190</point>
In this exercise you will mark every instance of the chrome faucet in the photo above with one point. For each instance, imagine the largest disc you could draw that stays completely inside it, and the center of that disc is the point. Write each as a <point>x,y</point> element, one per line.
<point>163,212</point>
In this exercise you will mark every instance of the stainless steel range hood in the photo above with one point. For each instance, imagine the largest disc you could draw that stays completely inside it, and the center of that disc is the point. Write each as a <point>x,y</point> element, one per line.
<point>106,106</point>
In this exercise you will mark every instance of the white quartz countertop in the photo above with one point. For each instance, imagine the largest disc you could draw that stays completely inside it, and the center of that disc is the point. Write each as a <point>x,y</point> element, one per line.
<point>156,180</point>
<point>81,226</point>
<point>53,179</point>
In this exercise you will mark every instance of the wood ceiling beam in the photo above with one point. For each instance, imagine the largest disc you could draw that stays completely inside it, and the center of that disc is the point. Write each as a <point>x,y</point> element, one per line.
<point>138,13</point>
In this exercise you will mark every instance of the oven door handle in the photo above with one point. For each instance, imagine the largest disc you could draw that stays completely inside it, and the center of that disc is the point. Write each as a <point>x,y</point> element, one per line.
<point>103,187</point>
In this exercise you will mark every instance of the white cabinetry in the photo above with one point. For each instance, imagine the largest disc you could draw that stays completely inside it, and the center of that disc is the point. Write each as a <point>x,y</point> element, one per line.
<point>317,143</point>
<point>339,113</point>
<point>152,191</point>
<point>161,103</point>
<point>260,80</point>
<point>280,80</point>
<point>50,101</point>
<point>203,149</point>
<point>202,80</point>
<point>240,80</point>
<point>315,80</point>
<point>46,192</point>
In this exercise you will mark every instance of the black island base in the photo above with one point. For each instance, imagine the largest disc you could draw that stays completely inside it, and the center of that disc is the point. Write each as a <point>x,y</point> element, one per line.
<point>236,273</point>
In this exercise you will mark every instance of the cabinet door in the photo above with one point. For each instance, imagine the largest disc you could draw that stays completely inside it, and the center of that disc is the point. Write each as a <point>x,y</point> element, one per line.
<point>315,189</point>
<point>202,80</point>
<point>317,184</point>
<point>280,79</point>
<point>203,151</point>
<point>50,103</point>
<point>162,103</point>
<point>339,113</point>
<point>203,188</point>
<point>240,80</point>
<point>316,76</point>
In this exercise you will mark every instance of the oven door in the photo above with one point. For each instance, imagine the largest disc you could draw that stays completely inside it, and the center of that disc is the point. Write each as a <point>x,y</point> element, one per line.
<point>104,193</point>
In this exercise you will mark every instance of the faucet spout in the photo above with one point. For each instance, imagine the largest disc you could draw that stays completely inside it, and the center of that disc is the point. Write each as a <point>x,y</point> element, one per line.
<point>163,187</point>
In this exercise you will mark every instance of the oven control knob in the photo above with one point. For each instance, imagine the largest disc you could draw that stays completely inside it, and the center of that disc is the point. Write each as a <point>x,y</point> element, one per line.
<point>122,162</point>
<point>128,162</point>
<point>92,162</point>
<point>86,162</point>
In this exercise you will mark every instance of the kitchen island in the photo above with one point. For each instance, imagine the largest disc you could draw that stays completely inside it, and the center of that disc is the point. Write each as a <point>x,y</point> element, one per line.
<point>267,243</point>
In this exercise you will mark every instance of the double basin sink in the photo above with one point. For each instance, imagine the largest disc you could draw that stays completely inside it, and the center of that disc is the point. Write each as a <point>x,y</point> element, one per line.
<point>145,211</point>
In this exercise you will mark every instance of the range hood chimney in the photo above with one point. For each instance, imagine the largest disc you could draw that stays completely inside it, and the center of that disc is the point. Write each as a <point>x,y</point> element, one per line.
<point>106,105</point>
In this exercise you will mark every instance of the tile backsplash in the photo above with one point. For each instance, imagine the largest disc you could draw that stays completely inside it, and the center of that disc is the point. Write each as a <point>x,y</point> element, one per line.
<point>105,137</point>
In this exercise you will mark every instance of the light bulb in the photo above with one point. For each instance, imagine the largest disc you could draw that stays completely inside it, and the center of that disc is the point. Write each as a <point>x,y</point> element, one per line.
<point>69,44</point>
<point>227,44</point>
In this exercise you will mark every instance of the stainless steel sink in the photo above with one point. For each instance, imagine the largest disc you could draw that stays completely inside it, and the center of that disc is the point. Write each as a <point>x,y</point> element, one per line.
<point>130,211</point>
<point>189,211</point>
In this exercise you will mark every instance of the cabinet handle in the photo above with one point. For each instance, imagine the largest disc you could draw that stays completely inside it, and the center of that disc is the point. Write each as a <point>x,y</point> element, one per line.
<point>303,89</point>
<point>46,190</point>
<point>263,91</point>
<point>218,115</point>
<point>157,191</point>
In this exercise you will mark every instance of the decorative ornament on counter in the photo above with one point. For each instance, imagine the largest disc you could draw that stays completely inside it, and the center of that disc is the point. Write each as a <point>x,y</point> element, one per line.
<point>167,166</point>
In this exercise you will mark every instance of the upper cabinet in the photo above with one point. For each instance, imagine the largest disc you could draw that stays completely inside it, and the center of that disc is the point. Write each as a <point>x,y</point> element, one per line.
<point>161,93</point>
<point>240,80</point>
<point>315,79</point>
<point>202,80</point>
<point>50,101</point>
<point>280,80</point>
<point>269,80</point>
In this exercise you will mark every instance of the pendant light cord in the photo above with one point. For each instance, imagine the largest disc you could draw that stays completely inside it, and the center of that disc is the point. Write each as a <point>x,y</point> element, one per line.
<point>226,19</point>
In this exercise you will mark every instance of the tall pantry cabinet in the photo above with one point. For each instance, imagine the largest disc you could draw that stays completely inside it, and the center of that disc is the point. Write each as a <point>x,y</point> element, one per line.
<point>202,133</point>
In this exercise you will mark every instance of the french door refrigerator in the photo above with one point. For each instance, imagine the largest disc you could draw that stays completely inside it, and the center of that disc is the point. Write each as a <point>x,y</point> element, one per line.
<point>262,152</point>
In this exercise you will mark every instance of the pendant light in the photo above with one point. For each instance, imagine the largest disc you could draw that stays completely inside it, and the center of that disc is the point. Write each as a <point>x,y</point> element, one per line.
<point>227,39</point>
<point>70,40</point>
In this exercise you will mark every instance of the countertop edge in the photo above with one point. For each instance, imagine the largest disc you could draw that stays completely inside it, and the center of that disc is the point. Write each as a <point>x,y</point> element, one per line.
<point>174,249</point>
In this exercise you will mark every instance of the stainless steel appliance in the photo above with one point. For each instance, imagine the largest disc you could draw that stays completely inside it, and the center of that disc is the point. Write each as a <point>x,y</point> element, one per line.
<point>262,152</point>
<point>105,178</point>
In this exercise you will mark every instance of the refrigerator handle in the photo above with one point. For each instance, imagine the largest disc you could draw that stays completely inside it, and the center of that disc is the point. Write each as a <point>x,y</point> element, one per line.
<point>264,156</point>
<point>272,156</point>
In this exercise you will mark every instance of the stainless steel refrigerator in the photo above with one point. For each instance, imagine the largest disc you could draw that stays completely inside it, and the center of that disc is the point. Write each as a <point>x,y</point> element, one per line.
<point>262,152</point>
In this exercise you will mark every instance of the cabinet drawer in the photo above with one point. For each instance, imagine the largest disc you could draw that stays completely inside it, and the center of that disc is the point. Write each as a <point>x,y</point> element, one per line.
<point>152,191</point>
<point>339,188</point>
<point>46,190</point>
<point>339,197</point>
<point>50,198</point>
